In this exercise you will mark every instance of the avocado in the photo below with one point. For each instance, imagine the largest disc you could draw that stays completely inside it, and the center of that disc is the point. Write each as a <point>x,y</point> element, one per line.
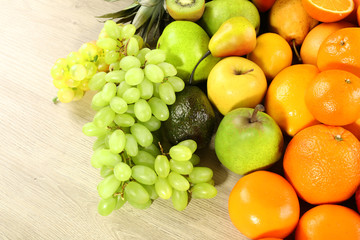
<point>191,117</point>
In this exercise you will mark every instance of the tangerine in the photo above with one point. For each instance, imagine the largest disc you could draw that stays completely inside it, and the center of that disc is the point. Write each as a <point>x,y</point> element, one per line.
<point>354,128</point>
<point>323,164</point>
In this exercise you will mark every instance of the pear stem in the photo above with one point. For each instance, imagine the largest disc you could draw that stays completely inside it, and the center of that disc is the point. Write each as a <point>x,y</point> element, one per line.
<point>295,50</point>
<point>258,108</point>
<point>193,72</point>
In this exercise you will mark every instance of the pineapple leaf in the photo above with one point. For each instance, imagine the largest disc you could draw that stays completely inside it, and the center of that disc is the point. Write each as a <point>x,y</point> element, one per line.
<point>122,13</point>
<point>142,16</point>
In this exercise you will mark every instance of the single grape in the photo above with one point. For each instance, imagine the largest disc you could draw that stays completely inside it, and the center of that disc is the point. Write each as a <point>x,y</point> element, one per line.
<point>200,175</point>
<point>168,69</point>
<point>124,120</point>
<point>152,149</point>
<point>142,135</point>
<point>114,66</point>
<point>106,158</point>
<point>107,43</point>
<point>195,159</point>
<point>118,105</point>
<point>123,86</point>
<point>99,143</point>
<point>88,51</point>
<point>203,191</point>
<point>102,66</point>
<point>129,62</point>
<point>120,201</point>
<point>181,167</point>
<point>151,190</point>
<point>78,72</point>
<point>111,56</point>
<point>98,101</point>
<point>74,58</point>
<point>155,56</point>
<point>177,83</point>
<point>134,76</point>
<point>153,124</point>
<point>117,141</point>
<point>178,181</point>
<point>180,153</point>
<point>163,188</point>
<point>91,69</point>
<point>98,81</point>
<point>92,130</point>
<point>109,91</point>
<point>71,82</point>
<point>180,199</point>
<point>131,146</point>
<point>65,94</point>
<point>112,29</point>
<point>122,171</point>
<point>159,109</point>
<point>132,47</point>
<point>58,71</point>
<point>59,83</point>
<point>108,186</point>
<point>106,206</point>
<point>144,158</point>
<point>104,117</point>
<point>142,53</point>
<point>95,160</point>
<point>127,31</point>
<point>144,174</point>
<point>140,40</point>
<point>142,110</point>
<point>154,73</point>
<point>140,206</point>
<point>167,93</point>
<point>78,94</point>
<point>131,95</point>
<point>146,89</point>
<point>136,193</point>
<point>105,171</point>
<point>191,144</point>
<point>162,166</point>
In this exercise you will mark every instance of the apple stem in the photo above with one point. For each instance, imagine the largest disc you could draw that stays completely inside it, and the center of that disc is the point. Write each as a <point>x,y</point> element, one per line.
<point>258,107</point>
<point>193,72</point>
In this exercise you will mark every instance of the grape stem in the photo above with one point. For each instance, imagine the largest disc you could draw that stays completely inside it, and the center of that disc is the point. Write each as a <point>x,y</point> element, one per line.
<point>55,100</point>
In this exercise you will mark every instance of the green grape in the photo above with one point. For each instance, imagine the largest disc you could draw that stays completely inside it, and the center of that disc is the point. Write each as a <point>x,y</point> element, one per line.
<point>211,182</point>
<point>65,94</point>
<point>114,66</point>
<point>142,53</point>
<point>106,206</point>
<point>136,193</point>
<point>142,110</point>
<point>98,101</point>
<point>112,29</point>
<point>178,181</point>
<point>191,144</point>
<point>142,135</point>
<point>146,89</point>
<point>131,146</point>
<point>131,95</point>
<point>78,72</point>
<point>124,120</point>
<point>118,105</point>
<point>107,43</point>
<point>95,160</point>
<point>163,188</point>
<point>106,157</point>
<point>123,86</point>
<point>168,69</point>
<point>130,110</point>
<point>181,167</point>
<point>74,58</point>
<point>144,174</point>
<point>162,166</point>
<point>102,66</point>
<point>120,201</point>
<point>88,51</point>
<point>144,158</point>
<point>155,56</point>
<point>152,149</point>
<point>154,73</point>
<point>132,47</point>
<point>127,31</point>
<point>200,175</point>
<point>92,130</point>
<point>109,91</point>
<point>177,83</point>
<point>111,56</point>
<point>167,93</point>
<point>195,159</point>
<point>153,124</point>
<point>99,142</point>
<point>116,76</point>
<point>122,171</point>
<point>159,109</point>
<point>58,71</point>
<point>117,141</point>
<point>78,94</point>
<point>84,85</point>
<point>104,117</point>
<point>59,83</point>
<point>108,186</point>
<point>98,81</point>
<point>180,199</point>
<point>71,82</point>
<point>129,62</point>
<point>203,191</point>
<point>140,40</point>
<point>105,171</point>
<point>141,206</point>
<point>180,153</point>
<point>134,76</point>
<point>91,69</point>
<point>151,190</point>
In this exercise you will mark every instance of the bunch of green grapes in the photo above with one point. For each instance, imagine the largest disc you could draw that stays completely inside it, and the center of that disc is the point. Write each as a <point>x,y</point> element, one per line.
<point>131,102</point>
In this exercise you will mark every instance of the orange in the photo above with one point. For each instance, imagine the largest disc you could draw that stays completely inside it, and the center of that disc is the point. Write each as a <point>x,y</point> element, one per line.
<point>323,164</point>
<point>263,204</point>
<point>354,128</point>
<point>285,98</point>
<point>333,97</point>
<point>340,50</point>
<point>328,11</point>
<point>310,47</point>
<point>272,54</point>
<point>327,222</point>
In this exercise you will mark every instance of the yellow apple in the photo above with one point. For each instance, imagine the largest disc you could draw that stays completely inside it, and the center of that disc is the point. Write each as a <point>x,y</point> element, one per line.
<point>236,82</point>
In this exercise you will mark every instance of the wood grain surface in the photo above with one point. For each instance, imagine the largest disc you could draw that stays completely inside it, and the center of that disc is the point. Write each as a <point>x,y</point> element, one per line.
<point>47,185</point>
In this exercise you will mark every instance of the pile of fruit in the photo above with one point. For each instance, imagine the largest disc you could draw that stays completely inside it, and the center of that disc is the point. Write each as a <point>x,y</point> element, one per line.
<point>282,77</point>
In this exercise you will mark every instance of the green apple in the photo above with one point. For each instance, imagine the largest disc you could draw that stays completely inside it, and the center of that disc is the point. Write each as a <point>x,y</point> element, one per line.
<point>248,140</point>
<point>218,11</point>
<point>185,43</point>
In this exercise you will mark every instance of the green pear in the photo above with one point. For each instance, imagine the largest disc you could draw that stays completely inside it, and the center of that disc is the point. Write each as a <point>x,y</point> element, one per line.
<point>185,43</point>
<point>218,11</point>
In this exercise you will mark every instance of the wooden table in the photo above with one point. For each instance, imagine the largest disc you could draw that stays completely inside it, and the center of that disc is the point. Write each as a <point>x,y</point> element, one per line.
<point>47,185</point>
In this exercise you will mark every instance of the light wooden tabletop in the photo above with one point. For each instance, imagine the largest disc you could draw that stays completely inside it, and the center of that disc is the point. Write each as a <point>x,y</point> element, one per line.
<point>47,185</point>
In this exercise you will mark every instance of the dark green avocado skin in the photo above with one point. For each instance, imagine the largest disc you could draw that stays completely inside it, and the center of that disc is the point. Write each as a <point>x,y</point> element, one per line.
<point>191,117</point>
